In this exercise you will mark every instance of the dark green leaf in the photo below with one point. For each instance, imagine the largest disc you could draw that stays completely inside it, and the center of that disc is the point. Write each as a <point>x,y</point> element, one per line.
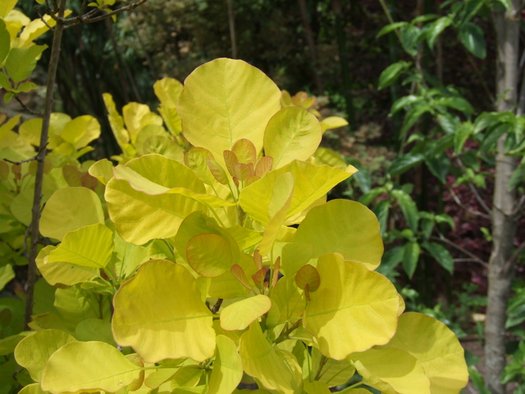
<point>449,122</point>
<point>461,135</point>
<point>411,254</point>
<point>408,207</point>
<point>412,116</point>
<point>404,163</point>
<point>436,29</point>
<point>390,28</point>
<point>381,210</point>
<point>440,254</point>
<point>392,73</point>
<point>409,37</point>
<point>403,102</point>
<point>391,260</point>
<point>457,103</point>
<point>473,39</point>
<point>439,167</point>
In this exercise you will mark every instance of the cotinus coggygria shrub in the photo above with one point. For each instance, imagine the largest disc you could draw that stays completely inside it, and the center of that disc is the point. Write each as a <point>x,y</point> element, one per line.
<point>208,260</point>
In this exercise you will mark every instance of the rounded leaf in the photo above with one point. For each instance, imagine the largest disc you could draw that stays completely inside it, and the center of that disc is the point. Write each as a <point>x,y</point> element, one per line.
<point>339,226</point>
<point>33,351</point>
<point>353,309</point>
<point>241,314</point>
<point>179,326</point>
<point>293,133</point>
<point>307,276</point>
<point>69,209</point>
<point>227,367</point>
<point>423,345</point>
<point>209,254</point>
<point>88,366</point>
<point>269,365</point>
<point>225,100</point>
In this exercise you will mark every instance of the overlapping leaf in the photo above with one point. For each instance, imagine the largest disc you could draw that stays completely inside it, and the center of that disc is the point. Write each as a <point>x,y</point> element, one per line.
<point>160,314</point>
<point>107,369</point>
<point>352,310</point>
<point>68,209</point>
<point>225,100</point>
<point>342,226</point>
<point>427,355</point>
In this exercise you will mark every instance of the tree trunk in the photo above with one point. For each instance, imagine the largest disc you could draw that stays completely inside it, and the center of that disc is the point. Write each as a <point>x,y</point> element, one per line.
<point>340,34</point>
<point>231,24</point>
<point>504,202</point>
<point>310,41</point>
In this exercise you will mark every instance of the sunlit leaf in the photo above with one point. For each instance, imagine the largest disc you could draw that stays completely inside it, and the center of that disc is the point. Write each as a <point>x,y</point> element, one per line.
<point>227,367</point>
<point>81,131</point>
<point>180,326</point>
<point>69,209</point>
<point>107,369</point>
<point>102,170</point>
<point>311,182</point>
<point>423,353</point>
<point>33,351</point>
<point>292,133</point>
<point>61,272</point>
<point>168,91</point>
<point>225,100</point>
<point>342,226</point>
<point>241,314</point>
<point>268,364</point>
<point>353,309</point>
<point>90,246</point>
<point>140,217</point>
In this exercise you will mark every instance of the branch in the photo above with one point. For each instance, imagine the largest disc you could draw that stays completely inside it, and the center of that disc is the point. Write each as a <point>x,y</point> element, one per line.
<point>89,17</point>
<point>26,108</point>
<point>447,242</point>
<point>39,177</point>
<point>465,207</point>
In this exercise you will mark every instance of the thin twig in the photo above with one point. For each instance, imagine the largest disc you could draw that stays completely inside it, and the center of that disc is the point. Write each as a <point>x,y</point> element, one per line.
<point>25,107</point>
<point>87,19</point>
<point>447,242</point>
<point>458,202</point>
<point>516,253</point>
<point>39,177</point>
<point>215,308</point>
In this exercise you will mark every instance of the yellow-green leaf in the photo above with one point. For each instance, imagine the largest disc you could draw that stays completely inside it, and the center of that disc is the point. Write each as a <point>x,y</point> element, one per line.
<point>33,388</point>
<point>311,182</point>
<point>81,131</point>
<point>140,217</point>
<point>227,367</point>
<point>333,122</point>
<point>293,133</point>
<point>352,310</point>
<point>423,345</point>
<point>61,272</point>
<point>90,246</point>
<point>168,91</point>
<point>209,254</point>
<point>115,121</point>
<point>33,351</point>
<point>102,170</point>
<point>342,226</point>
<point>69,209</point>
<point>270,366</point>
<point>88,366</point>
<point>178,326</point>
<point>137,116</point>
<point>241,314</point>
<point>225,100</point>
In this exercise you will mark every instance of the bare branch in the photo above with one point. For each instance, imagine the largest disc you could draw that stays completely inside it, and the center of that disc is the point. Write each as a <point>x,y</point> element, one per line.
<point>447,242</point>
<point>90,18</point>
